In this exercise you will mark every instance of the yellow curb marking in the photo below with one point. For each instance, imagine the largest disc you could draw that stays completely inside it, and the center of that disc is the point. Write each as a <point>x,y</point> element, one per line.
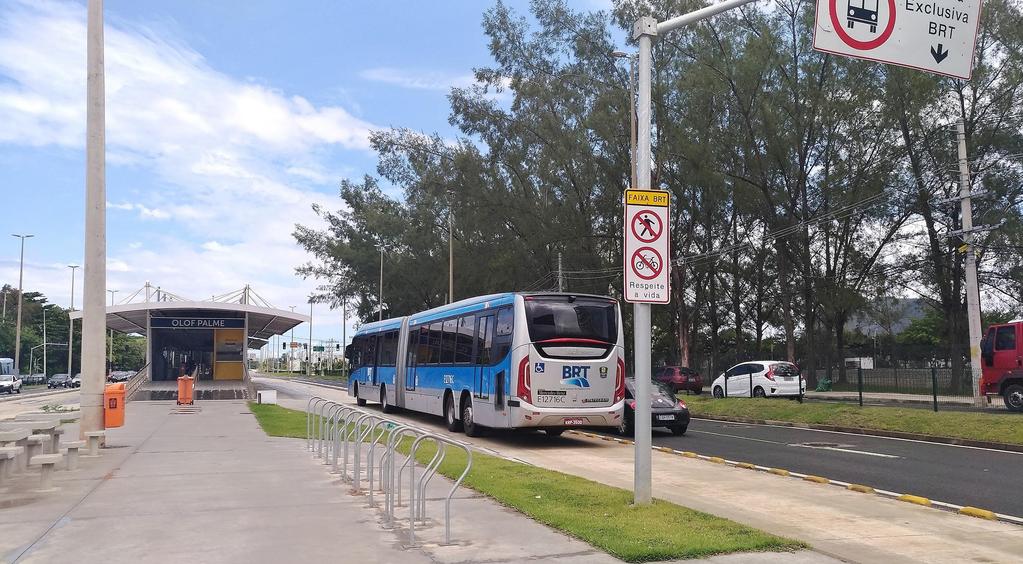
<point>779,471</point>
<point>689,454</point>
<point>746,465</point>
<point>716,459</point>
<point>860,488</point>
<point>978,513</point>
<point>915,499</point>
<point>817,479</point>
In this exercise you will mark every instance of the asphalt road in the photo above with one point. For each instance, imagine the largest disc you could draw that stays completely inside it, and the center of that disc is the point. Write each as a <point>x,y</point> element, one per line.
<point>983,478</point>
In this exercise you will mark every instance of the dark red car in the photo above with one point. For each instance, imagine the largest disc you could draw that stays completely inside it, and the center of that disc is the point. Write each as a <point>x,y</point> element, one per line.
<point>680,378</point>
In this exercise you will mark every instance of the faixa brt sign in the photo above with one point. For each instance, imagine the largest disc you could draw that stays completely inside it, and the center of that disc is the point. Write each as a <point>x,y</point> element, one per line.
<point>647,248</point>
<point>196,323</point>
<point>932,35</point>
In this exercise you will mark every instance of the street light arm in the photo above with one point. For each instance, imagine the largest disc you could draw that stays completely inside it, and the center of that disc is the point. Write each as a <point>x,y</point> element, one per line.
<point>701,14</point>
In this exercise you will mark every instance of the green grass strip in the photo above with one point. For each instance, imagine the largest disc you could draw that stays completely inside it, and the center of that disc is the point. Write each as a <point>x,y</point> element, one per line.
<point>979,426</point>
<point>600,515</point>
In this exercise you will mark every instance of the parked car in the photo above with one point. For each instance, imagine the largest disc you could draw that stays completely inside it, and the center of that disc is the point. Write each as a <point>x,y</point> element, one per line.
<point>58,381</point>
<point>10,383</point>
<point>34,379</point>
<point>680,378</point>
<point>120,376</point>
<point>760,378</point>
<point>1001,363</point>
<point>665,409</point>
<point>75,382</point>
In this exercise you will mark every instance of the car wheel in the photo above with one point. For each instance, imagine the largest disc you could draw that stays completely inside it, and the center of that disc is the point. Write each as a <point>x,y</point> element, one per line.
<point>679,430</point>
<point>554,432</point>
<point>470,426</point>
<point>625,429</point>
<point>358,401</point>
<point>718,392</point>
<point>384,406</point>
<point>454,425</point>
<point>758,392</point>
<point>1013,396</point>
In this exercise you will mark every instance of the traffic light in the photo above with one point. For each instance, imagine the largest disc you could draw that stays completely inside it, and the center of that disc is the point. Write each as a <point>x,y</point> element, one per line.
<point>337,347</point>
<point>284,346</point>
<point>305,346</point>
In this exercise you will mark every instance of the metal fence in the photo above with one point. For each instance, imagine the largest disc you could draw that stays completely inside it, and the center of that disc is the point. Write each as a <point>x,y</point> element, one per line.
<point>339,433</point>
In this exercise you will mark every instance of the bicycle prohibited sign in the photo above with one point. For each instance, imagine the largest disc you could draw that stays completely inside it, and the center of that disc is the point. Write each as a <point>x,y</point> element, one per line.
<point>647,246</point>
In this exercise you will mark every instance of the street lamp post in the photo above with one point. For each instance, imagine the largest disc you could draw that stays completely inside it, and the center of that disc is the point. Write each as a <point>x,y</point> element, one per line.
<point>291,345</point>
<point>110,354</point>
<point>44,344</point>
<point>309,355</point>
<point>645,31</point>
<point>70,321</point>
<point>21,292</point>
<point>380,315</point>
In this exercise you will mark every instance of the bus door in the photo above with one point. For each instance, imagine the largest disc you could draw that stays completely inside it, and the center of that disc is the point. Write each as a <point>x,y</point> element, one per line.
<point>484,344</point>
<point>418,348</point>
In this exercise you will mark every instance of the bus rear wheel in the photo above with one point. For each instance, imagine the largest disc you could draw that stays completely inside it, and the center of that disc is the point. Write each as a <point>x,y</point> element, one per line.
<point>384,406</point>
<point>470,426</point>
<point>358,401</point>
<point>453,424</point>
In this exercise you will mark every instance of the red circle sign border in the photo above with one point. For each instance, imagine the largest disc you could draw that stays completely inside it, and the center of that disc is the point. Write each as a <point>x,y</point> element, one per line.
<point>637,235</point>
<point>659,258</point>
<point>862,45</point>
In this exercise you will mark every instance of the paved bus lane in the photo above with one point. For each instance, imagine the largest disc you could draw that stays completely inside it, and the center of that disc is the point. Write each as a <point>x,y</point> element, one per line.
<point>953,474</point>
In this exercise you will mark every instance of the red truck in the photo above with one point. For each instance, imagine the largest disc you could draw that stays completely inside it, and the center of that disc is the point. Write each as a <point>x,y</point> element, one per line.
<point>1001,362</point>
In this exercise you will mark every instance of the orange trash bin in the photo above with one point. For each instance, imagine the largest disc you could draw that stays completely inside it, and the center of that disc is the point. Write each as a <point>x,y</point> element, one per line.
<point>185,384</point>
<point>113,405</point>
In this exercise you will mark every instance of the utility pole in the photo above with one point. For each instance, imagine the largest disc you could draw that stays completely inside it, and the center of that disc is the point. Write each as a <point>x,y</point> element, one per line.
<point>645,31</point>
<point>44,345</point>
<point>380,315</point>
<point>93,310</point>
<point>21,293</point>
<point>561,275</point>
<point>344,338</point>
<point>972,287</point>
<point>309,355</point>
<point>451,259</point>
<point>110,355</point>
<point>70,321</point>
<point>5,305</point>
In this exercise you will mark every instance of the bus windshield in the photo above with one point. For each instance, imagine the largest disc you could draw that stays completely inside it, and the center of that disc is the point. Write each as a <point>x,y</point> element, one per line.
<point>569,317</point>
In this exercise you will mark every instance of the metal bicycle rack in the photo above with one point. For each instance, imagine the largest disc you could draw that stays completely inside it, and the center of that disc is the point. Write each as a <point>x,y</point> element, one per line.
<point>333,429</point>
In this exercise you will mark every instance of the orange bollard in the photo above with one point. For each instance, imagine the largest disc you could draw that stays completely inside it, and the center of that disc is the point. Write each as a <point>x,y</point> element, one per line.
<point>185,385</point>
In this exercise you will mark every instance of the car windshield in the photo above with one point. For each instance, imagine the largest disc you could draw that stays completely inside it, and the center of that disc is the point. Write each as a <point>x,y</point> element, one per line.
<point>559,317</point>
<point>657,389</point>
<point>59,377</point>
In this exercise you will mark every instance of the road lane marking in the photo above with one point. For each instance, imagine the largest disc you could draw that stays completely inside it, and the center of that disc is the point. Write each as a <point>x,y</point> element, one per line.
<point>849,450</point>
<point>737,437</point>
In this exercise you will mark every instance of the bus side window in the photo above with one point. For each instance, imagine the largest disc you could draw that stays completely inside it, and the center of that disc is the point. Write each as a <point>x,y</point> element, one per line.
<point>436,339</point>
<point>502,334</point>
<point>447,350</point>
<point>369,350</point>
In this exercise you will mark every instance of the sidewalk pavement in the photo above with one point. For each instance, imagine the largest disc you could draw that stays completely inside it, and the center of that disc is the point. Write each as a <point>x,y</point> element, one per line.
<point>205,484</point>
<point>846,525</point>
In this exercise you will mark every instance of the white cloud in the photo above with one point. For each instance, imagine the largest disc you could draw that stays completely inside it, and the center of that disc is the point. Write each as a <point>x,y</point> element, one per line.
<point>417,79</point>
<point>223,153</point>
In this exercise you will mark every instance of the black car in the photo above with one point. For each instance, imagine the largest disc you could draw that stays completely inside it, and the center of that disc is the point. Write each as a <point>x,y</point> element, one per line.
<point>58,381</point>
<point>665,409</point>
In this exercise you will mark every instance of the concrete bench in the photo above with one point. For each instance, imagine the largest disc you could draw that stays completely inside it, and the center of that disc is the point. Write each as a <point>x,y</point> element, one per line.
<point>46,462</point>
<point>16,438</point>
<point>55,435</point>
<point>95,438</point>
<point>8,458</point>
<point>72,453</point>
<point>37,445</point>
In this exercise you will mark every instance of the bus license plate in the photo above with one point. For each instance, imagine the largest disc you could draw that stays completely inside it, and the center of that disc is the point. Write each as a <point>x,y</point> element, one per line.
<point>665,417</point>
<point>574,421</point>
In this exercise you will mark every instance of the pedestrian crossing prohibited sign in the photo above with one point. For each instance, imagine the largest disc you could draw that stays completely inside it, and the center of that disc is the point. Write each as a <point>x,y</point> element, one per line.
<point>647,247</point>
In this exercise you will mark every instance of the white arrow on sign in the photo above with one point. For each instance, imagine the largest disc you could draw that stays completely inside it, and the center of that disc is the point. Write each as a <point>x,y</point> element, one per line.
<point>932,35</point>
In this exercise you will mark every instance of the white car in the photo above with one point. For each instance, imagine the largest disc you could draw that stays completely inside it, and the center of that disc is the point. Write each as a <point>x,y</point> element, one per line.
<point>760,378</point>
<point>10,384</point>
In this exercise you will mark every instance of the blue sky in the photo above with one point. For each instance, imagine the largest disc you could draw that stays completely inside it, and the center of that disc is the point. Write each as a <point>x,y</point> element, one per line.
<point>225,122</point>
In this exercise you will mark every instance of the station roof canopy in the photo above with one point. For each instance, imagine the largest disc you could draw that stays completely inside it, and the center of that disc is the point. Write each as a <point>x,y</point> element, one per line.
<point>265,320</point>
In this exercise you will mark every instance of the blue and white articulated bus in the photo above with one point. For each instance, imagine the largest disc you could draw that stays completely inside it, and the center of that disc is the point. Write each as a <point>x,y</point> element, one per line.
<point>511,361</point>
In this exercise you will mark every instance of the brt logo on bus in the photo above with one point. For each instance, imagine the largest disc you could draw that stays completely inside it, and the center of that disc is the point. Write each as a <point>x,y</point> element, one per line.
<point>575,376</point>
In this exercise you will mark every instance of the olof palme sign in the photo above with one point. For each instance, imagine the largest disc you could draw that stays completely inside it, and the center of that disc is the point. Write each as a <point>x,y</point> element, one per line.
<point>647,247</point>
<point>931,35</point>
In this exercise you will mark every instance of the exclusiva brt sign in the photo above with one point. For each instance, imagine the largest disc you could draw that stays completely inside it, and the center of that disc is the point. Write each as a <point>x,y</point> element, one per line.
<point>932,35</point>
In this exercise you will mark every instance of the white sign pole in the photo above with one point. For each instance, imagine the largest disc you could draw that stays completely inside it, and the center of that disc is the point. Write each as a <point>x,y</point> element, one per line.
<point>645,30</point>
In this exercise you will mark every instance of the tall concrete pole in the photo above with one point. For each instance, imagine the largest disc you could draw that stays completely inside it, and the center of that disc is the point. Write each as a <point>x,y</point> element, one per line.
<point>451,259</point>
<point>21,292</point>
<point>972,287</point>
<point>110,352</point>
<point>291,346</point>
<point>380,315</point>
<point>70,321</point>
<point>344,337</point>
<point>93,309</point>
<point>44,344</point>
